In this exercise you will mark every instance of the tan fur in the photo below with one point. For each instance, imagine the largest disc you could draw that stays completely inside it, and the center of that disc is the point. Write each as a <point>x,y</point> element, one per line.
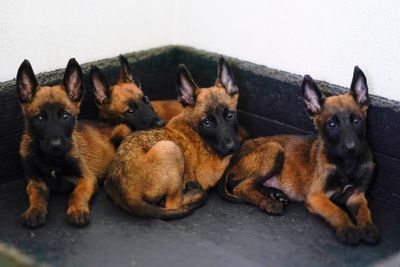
<point>304,172</point>
<point>121,94</point>
<point>156,163</point>
<point>167,109</point>
<point>90,145</point>
<point>46,94</point>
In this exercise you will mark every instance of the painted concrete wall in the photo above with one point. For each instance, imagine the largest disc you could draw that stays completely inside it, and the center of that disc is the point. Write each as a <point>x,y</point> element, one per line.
<point>322,38</point>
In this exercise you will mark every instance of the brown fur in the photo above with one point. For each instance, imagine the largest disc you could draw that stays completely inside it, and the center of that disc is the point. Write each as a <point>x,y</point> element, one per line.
<point>154,166</point>
<point>121,94</point>
<point>302,176</point>
<point>115,101</point>
<point>88,143</point>
<point>167,109</point>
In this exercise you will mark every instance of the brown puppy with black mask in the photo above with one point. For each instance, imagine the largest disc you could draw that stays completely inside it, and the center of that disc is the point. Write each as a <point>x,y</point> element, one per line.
<point>164,173</point>
<point>326,172</point>
<point>127,107</point>
<point>58,152</point>
<point>124,104</point>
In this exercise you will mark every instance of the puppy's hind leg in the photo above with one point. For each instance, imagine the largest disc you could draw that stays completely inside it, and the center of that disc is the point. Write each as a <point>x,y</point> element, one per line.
<point>158,175</point>
<point>256,167</point>
<point>166,166</point>
<point>193,194</point>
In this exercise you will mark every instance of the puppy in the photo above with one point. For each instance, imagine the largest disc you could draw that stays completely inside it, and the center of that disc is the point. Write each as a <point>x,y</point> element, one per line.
<point>124,105</point>
<point>336,164</point>
<point>127,105</point>
<point>59,153</point>
<point>164,173</point>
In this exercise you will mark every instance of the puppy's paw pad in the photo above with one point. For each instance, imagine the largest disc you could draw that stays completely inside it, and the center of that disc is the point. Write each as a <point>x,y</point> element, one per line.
<point>281,197</point>
<point>276,194</point>
<point>272,206</point>
<point>349,235</point>
<point>78,217</point>
<point>34,217</point>
<point>370,234</point>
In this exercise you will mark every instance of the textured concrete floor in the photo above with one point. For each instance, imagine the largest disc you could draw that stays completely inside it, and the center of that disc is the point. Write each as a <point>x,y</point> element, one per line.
<point>218,234</point>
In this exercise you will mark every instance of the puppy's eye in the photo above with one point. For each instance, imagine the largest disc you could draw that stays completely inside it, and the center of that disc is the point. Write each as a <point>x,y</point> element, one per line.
<point>146,100</point>
<point>39,117</point>
<point>66,115</point>
<point>132,110</point>
<point>356,122</point>
<point>332,124</point>
<point>207,122</point>
<point>230,115</point>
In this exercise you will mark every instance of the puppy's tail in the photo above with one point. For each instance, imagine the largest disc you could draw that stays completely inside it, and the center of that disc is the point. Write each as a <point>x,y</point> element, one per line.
<point>224,183</point>
<point>140,207</point>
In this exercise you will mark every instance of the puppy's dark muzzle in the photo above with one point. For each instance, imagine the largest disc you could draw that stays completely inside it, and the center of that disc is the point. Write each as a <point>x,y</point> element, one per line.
<point>230,147</point>
<point>351,148</point>
<point>55,146</point>
<point>159,123</point>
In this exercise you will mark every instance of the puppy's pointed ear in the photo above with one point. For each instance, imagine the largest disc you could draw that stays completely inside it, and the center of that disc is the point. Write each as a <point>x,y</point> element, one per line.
<point>225,77</point>
<point>100,86</point>
<point>26,82</point>
<point>359,88</point>
<point>186,86</point>
<point>73,80</point>
<point>125,72</point>
<point>313,97</point>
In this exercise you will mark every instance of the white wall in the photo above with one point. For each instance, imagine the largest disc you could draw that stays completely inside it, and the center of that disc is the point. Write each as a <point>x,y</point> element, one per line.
<point>322,38</point>
<point>49,32</point>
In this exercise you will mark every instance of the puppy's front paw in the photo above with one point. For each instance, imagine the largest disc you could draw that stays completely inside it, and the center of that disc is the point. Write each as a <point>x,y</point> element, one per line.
<point>78,216</point>
<point>272,206</point>
<point>349,235</point>
<point>34,217</point>
<point>370,234</point>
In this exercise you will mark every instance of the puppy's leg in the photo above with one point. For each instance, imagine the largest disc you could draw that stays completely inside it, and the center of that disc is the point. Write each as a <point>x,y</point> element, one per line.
<point>38,194</point>
<point>165,167</point>
<point>78,207</point>
<point>248,192</point>
<point>193,193</point>
<point>275,194</point>
<point>345,230</point>
<point>254,169</point>
<point>358,206</point>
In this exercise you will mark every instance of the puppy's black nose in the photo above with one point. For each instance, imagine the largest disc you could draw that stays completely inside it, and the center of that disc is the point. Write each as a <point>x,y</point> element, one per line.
<point>229,147</point>
<point>349,146</point>
<point>55,143</point>
<point>159,123</point>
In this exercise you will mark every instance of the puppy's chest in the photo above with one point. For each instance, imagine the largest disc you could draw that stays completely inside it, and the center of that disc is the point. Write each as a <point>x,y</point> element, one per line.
<point>208,172</point>
<point>340,184</point>
<point>59,175</point>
